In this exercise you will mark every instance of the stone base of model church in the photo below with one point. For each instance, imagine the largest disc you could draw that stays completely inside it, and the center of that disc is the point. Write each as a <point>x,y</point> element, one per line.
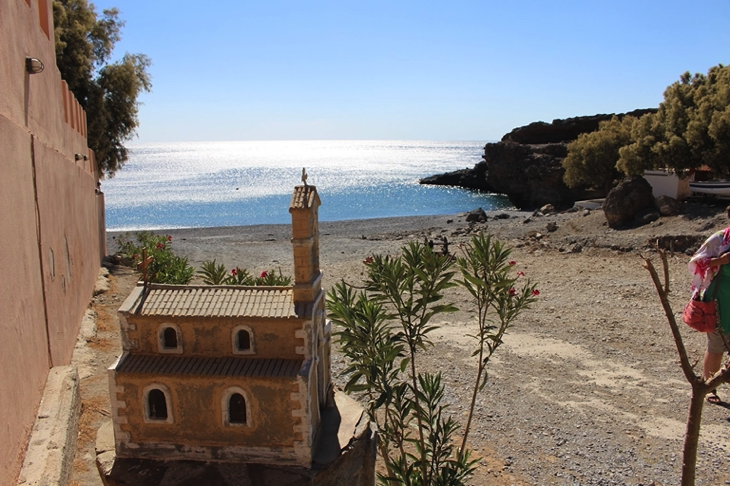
<point>344,453</point>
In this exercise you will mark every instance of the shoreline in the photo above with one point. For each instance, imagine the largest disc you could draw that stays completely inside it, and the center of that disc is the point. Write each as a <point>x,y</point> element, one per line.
<point>341,228</point>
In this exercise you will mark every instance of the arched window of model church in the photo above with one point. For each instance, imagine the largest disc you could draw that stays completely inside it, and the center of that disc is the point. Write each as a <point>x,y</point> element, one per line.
<point>236,409</point>
<point>157,405</point>
<point>169,338</point>
<point>243,340</point>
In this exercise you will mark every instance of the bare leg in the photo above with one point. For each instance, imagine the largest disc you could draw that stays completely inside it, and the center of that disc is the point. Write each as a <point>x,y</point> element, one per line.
<point>711,364</point>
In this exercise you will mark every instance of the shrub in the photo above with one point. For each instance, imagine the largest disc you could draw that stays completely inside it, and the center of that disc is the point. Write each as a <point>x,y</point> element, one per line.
<point>213,273</point>
<point>165,266</point>
<point>383,325</point>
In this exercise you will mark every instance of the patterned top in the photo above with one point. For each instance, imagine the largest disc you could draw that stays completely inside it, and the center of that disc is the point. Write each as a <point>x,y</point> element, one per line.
<point>702,273</point>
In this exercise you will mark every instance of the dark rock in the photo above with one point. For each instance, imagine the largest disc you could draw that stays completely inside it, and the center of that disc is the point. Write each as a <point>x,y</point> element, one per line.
<point>668,206</point>
<point>530,175</point>
<point>552,226</point>
<point>547,209</point>
<point>647,216</point>
<point>475,178</point>
<point>631,197</point>
<point>476,216</point>
<point>502,216</point>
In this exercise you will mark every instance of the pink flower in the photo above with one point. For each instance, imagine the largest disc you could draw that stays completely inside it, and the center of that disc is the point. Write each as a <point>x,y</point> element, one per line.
<point>512,292</point>
<point>264,274</point>
<point>520,274</point>
<point>535,292</point>
<point>512,263</point>
<point>368,261</point>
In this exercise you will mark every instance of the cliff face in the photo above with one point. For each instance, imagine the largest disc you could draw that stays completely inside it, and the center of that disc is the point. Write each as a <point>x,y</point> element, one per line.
<point>526,165</point>
<point>530,175</point>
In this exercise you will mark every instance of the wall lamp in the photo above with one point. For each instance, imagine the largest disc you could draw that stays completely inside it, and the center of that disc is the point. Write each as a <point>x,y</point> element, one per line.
<point>33,65</point>
<point>80,156</point>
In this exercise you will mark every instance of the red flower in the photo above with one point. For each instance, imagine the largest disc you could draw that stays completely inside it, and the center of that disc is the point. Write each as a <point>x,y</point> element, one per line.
<point>520,274</point>
<point>234,271</point>
<point>535,292</point>
<point>264,274</point>
<point>135,256</point>
<point>512,292</point>
<point>169,238</point>
<point>160,246</point>
<point>368,261</point>
<point>512,263</point>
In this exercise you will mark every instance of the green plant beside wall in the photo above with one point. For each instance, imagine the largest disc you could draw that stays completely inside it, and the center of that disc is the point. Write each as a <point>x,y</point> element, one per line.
<point>166,266</point>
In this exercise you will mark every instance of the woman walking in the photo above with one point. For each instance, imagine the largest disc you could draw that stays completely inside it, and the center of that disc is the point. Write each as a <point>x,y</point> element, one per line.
<point>710,268</point>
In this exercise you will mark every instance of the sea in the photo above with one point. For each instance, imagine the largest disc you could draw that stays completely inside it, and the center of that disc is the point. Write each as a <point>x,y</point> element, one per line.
<point>210,184</point>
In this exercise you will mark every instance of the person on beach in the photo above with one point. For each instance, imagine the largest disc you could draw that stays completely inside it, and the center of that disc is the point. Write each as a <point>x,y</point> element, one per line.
<point>709,268</point>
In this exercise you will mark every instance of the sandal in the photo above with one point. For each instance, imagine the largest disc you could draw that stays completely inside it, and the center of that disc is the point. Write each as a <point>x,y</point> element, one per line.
<point>713,398</point>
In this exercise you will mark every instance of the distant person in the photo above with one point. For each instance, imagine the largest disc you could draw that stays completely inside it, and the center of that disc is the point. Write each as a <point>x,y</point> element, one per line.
<point>709,268</point>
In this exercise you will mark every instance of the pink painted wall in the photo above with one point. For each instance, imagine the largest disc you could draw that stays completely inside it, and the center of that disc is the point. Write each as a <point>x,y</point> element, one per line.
<point>48,206</point>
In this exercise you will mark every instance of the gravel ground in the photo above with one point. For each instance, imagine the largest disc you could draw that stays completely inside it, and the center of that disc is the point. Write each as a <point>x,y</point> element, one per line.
<point>587,387</point>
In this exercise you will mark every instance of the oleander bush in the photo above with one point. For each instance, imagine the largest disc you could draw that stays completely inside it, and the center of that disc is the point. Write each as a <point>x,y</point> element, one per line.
<point>381,327</point>
<point>165,266</point>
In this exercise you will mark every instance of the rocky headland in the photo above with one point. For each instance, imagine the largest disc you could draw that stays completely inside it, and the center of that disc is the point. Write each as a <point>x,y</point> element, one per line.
<point>526,165</point>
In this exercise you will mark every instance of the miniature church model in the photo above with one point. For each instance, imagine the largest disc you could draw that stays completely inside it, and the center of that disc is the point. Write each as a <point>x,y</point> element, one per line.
<point>227,373</point>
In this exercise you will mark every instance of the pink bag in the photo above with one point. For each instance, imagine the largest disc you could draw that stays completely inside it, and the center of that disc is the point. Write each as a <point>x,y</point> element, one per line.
<point>701,316</point>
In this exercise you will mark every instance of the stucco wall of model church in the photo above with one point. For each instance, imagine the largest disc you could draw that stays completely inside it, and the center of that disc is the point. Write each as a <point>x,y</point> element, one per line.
<point>212,336</point>
<point>49,222</point>
<point>197,414</point>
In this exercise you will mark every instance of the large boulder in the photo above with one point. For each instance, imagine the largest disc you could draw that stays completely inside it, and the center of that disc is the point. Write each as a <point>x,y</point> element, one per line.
<point>632,197</point>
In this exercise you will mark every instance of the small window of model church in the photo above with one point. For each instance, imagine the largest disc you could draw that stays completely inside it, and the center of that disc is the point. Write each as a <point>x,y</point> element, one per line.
<point>156,403</point>
<point>236,407</point>
<point>243,340</point>
<point>169,339</point>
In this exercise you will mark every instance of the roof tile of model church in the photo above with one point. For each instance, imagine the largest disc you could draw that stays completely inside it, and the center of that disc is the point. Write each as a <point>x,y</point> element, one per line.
<point>303,197</point>
<point>207,301</point>
<point>201,366</point>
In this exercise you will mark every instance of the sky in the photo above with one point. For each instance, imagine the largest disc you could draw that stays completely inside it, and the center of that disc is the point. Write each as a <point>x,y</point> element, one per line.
<point>406,70</point>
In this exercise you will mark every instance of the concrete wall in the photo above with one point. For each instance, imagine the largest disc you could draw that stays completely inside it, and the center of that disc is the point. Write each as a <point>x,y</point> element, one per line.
<point>49,222</point>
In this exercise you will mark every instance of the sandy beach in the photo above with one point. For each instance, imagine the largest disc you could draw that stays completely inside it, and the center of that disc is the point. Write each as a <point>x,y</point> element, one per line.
<point>587,388</point>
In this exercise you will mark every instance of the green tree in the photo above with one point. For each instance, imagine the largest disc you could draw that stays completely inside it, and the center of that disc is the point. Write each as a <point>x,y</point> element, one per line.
<point>108,92</point>
<point>691,128</point>
<point>592,157</point>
